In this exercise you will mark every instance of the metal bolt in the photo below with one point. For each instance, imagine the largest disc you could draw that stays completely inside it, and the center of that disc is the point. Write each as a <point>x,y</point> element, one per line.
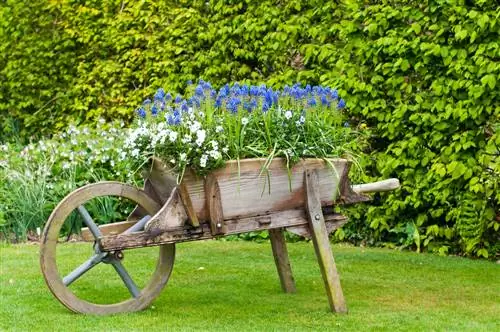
<point>119,255</point>
<point>316,217</point>
<point>219,225</point>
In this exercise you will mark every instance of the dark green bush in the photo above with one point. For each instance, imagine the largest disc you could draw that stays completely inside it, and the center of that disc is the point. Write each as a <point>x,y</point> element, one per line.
<point>424,75</point>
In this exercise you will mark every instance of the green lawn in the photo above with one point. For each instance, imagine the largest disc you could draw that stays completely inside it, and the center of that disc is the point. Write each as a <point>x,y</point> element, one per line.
<point>231,286</point>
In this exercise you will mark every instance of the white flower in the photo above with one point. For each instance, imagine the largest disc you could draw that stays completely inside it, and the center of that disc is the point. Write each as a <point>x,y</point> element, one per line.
<point>288,115</point>
<point>215,154</point>
<point>225,149</point>
<point>172,136</point>
<point>244,121</point>
<point>182,156</point>
<point>135,153</point>
<point>195,126</point>
<point>200,137</point>
<point>219,129</point>
<point>300,121</point>
<point>203,160</point>
<point>186,139</point>
<point>172,161</point>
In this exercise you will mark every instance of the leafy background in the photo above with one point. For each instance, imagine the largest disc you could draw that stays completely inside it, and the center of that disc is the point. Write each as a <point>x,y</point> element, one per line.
<point>424,76</point>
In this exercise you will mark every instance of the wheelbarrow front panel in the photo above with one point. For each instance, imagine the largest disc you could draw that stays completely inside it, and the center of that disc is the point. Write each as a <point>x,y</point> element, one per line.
<point>248,188</point>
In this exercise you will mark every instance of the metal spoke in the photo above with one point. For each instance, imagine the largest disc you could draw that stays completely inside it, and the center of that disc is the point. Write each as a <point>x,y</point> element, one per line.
<point>79,271</point>
<point>127,280</point>
<point>138,226</point>
<point>94,229</point>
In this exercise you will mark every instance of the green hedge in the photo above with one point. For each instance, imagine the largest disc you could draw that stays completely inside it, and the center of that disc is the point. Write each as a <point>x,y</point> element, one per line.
<point>424,75</point>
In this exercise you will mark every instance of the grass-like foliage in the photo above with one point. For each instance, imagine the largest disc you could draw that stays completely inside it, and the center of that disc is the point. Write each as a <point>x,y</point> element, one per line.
<point>235,122</point>
<point>35,178</point>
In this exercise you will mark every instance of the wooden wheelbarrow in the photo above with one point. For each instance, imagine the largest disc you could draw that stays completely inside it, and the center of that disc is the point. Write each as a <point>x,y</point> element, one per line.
<point>249,195</point>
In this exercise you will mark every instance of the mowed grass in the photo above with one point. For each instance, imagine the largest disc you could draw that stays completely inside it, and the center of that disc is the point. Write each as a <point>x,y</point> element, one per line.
<point>233,286</point>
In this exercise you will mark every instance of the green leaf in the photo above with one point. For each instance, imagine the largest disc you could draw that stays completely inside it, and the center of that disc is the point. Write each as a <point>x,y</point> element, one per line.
<point>490,80</point>
<point>416,28</point>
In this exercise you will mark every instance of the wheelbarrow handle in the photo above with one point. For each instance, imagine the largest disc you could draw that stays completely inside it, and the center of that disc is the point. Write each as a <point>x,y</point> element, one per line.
<point>379,186</point>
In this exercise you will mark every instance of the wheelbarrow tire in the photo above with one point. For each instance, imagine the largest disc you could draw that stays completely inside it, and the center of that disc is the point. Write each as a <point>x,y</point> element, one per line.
<point>49,241</point>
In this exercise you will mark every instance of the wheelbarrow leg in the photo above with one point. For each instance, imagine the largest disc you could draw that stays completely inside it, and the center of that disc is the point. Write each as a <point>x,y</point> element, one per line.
<point>280,253</point>
<point>319,235</point>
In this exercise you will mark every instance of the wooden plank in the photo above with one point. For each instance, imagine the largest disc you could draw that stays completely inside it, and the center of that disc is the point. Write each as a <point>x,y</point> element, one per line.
<point>187,233</point>
<point>214,205</point>
<point>162,180</point>
<point>248,191</point>
<point>139,211</point>
<point>172,214</point>
<point>322,243</point>
<point>281,260</point>
<point>188,204</point>
<point>108,229</point>
<point>335,222</point>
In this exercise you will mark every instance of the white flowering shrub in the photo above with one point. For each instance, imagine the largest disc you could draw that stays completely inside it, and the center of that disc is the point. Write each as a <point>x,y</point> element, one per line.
<point>34,178</point>
<point>212,126</point>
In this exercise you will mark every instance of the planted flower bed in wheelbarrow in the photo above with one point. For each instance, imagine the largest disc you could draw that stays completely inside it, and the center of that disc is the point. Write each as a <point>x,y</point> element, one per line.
<point>235,196</point>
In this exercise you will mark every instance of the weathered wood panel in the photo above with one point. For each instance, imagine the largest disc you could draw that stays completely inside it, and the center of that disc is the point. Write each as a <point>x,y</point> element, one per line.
<point>172,214</point>
<point>321,242</point>
<point>108,229</point>
<point>247,190</point>
<point>155,237</point>
<point>214,205</point>
<point>280,253</point>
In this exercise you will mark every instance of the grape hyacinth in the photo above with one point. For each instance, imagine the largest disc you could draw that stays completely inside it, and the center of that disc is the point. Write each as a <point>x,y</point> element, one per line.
<point>208,126</point>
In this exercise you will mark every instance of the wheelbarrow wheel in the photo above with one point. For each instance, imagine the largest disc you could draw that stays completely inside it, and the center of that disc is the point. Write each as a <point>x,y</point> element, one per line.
<point>135,297</point>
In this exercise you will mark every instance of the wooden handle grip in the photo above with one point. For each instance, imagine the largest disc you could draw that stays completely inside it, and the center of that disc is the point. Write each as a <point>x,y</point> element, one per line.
<point>384,185</point>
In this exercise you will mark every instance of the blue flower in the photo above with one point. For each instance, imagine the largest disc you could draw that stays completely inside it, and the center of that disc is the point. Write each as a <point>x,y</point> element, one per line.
<point>193,101</point>
<point>154,110</point>
<point>232,104</point>
<point>206,85</point>
<point>184,106</point>
<point>334,94</point>
<point>160,93</point>
<point>341,104</point>
<point>147,102</point>
<point>141,112</point>
<point>249,106</point>
<point>224,91</point>
<point>311,102</point>
<point>346,124</point>
<point>218,102</point>
<point>244,90</point>
<point>324,100</point>
<point>168,97</point>
<point>173,120</point>
<point>268,97</point>
<point>254,90</point>
<point>265,107</point>
<point>178,99</point>
<point>199,91</point>
<point>189,82</point>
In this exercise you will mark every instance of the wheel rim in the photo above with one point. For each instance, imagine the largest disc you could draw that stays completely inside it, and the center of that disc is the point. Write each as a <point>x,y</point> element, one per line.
<point>50,237</point>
